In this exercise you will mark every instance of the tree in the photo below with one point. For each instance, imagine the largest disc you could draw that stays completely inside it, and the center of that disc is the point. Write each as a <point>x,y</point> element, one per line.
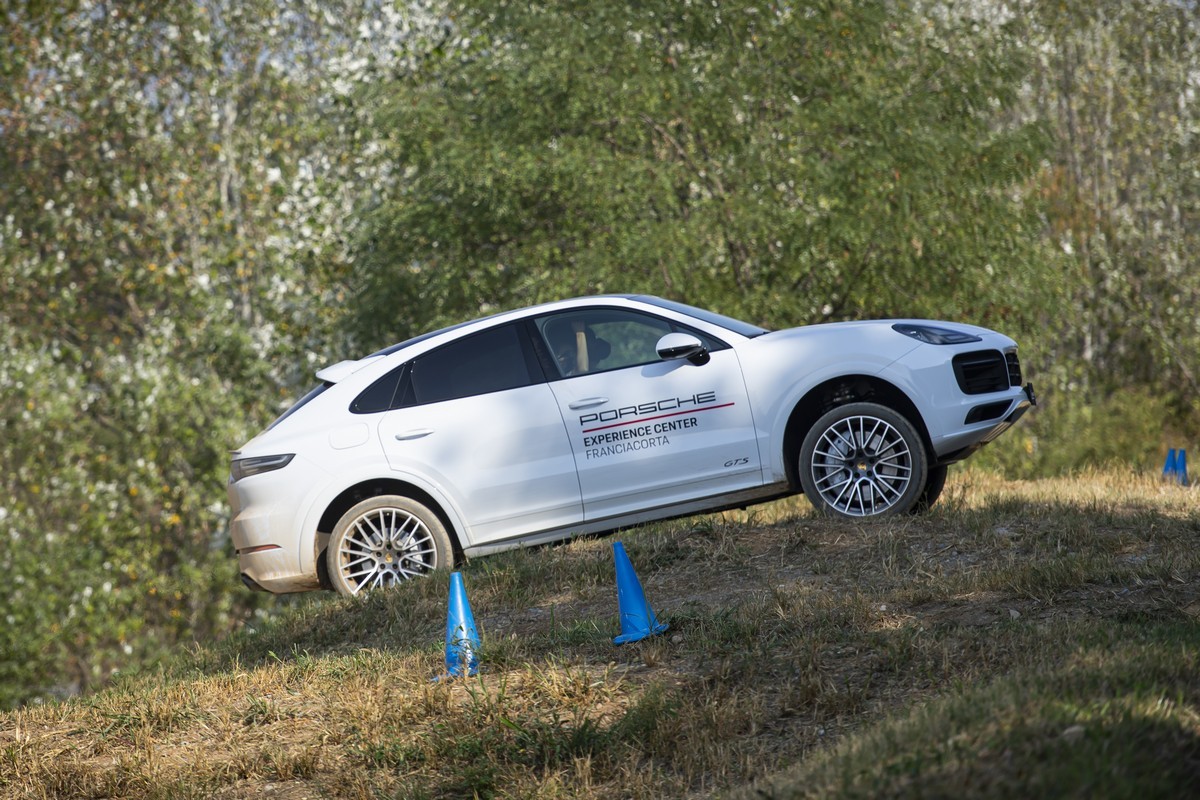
<point>1117,82</point>
<point>787,164</point>
<point>154,200</point>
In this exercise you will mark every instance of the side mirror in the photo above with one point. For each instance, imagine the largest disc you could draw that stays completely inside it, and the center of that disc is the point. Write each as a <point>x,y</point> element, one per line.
<point>682,345</point>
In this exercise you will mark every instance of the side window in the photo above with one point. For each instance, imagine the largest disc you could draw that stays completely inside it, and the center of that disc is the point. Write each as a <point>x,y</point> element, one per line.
<point>601,339</point>
<point>382,395</point>
<point>491,361</point>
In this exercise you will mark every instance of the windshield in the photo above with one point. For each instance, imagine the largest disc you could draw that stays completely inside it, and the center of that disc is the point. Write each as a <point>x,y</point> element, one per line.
<point>728,323</point>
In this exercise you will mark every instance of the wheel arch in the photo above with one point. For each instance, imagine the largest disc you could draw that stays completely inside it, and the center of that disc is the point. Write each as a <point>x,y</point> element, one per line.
<point>837,392</point>
<point>376,487</point>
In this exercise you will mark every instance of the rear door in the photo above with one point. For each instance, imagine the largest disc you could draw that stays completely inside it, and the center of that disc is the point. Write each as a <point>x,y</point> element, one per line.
<point>646,432</point>
<point>478,420</point>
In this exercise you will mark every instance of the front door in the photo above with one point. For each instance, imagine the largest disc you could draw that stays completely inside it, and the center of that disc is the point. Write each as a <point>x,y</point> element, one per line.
<point>645,432</point>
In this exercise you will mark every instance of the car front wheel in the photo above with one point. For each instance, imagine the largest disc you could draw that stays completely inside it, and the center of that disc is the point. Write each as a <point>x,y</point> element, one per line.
<point>863,460</point>
<point>385,540</point>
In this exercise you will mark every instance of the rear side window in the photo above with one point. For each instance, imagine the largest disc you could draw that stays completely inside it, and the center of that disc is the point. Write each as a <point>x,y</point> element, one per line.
<point>382,395</point>
<point>486,362</point>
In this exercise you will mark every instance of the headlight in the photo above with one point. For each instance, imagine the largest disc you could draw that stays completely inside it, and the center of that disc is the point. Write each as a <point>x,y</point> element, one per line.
<point>931,334</point>
<point>245,467</point>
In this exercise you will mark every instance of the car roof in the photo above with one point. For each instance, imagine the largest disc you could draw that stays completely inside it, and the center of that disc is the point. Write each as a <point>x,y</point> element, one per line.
<point>515,313</point>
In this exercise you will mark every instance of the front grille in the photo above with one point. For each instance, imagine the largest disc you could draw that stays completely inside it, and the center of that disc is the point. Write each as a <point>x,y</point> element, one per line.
<point>1014,369</point>
<point>981,371</point>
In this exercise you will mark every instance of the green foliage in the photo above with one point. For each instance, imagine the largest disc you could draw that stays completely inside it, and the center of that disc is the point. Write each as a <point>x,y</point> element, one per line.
<point>788,165</point>
<point>1070,431</point>
<point>1116,81</point>
<point>149,321</point>
<point>112,540</point>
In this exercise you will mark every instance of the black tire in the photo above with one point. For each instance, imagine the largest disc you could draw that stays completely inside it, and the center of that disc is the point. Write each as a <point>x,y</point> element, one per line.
<point>863,460</point>
<point>383,541</point>
<point>935,481</point>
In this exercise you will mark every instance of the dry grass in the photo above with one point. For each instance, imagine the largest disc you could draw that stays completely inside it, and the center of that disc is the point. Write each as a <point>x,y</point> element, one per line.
<point>1011,643</point>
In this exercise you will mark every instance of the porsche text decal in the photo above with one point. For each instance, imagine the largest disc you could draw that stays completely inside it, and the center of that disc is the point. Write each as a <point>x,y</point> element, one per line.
<point>640,427</point>
<point>644,411</point>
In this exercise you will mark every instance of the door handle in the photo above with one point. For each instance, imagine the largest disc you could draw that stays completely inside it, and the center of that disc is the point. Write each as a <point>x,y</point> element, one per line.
<point>587,402</point>
<point>417,433</point>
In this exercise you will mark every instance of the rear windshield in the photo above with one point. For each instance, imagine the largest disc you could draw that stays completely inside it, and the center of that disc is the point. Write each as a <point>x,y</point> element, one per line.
<point>387,351</point>
<point>312,393</point>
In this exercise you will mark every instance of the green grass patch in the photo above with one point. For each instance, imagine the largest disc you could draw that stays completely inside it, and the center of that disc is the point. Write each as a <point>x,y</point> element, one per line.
<point>1116,717</point>
<point>1029,639</point>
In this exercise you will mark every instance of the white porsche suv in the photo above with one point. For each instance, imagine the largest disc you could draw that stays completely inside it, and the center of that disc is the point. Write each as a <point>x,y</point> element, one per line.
<point>598,413</point>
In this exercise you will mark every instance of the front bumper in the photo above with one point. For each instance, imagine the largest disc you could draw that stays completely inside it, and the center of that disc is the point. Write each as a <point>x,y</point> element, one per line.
<point>971,440</point>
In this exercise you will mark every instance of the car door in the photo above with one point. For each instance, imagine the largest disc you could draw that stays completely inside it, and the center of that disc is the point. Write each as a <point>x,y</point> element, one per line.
<point>478,421</point>
<point>647,432</point>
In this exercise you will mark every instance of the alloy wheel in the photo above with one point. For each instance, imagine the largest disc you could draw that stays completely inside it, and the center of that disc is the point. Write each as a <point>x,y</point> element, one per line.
<point>861,466</point>
<point>383,547</point>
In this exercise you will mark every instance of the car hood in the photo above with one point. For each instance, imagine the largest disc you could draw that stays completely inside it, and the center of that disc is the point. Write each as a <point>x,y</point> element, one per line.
<point>872,325</point>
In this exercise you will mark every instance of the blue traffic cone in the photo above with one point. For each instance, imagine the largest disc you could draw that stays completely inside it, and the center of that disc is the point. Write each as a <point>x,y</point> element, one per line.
<point>637,618</point>
<point>1169,466</point>
<point>462,639</point>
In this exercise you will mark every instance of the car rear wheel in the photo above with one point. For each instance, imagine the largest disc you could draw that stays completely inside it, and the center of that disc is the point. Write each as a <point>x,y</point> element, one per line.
<point>383,541</point>
<point>863,460</point>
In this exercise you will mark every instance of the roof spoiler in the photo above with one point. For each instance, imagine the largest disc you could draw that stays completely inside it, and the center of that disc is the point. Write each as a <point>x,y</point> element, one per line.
<point>344,369</point>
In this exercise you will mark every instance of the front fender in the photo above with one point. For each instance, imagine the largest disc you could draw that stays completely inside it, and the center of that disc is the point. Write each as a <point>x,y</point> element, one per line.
<point>780,413</point>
